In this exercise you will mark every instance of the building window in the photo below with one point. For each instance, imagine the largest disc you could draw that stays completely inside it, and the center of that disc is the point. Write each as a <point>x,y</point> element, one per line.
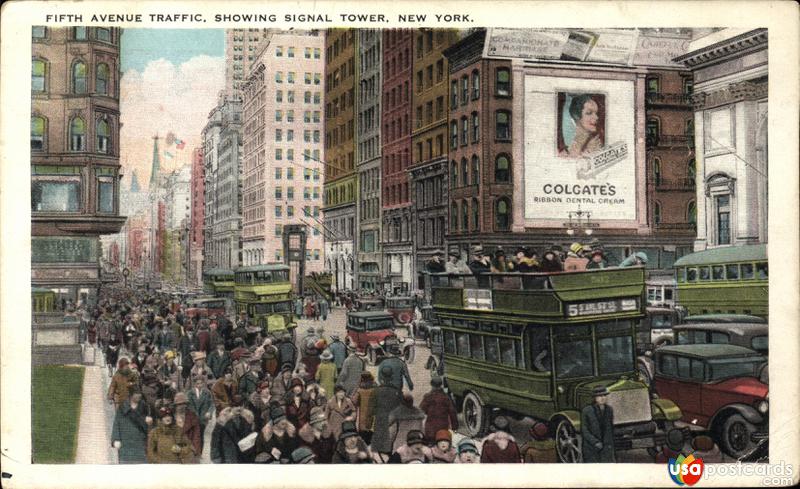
<point>691,213</point>
<point>476,85</point>
<point>278,51</point>
<point>39,32</point>
<point>688,86</point>
<point>37,133</point>
<point>77,135</point>
<point>652,132</point>
<point>723,204</point>
<point>453,174</point>
<point>454,216</point>
<point>464,131</point>
<point>105,195</point>
<point>652,85</point>
<point>476,128</point>
<point>56,194</point>
<point>278,172</point>
<point>454,94</point>
<point>103,136</point>
<point>502,214</point>
<point>453,135</point>
<point>79,33</point>
<point>278,193</point>
<point>476,170</point>
<point>101,79</point>
<point>290,52</point>
<point>465,216</point>
<point>657,214</point>
<point>464,89</point>
<point>691,171</point>
<point>476,215</point>
<point>464,172</point>
<point>502,85</point>
<point>79,77</point>
<point>38,72</point>
<point>503,125</point>
<point>102,34</point>
<point>657,171</point>
<point>502,169</point>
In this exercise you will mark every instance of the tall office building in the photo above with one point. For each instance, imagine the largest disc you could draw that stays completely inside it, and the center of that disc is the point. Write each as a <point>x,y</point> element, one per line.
<point>241,47</point>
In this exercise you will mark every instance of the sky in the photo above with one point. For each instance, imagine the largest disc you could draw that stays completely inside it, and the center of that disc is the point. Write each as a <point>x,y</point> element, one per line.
<point>170,81</point>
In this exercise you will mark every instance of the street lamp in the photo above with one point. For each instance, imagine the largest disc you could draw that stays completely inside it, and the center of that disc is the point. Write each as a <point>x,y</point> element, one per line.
<point>580,220</point>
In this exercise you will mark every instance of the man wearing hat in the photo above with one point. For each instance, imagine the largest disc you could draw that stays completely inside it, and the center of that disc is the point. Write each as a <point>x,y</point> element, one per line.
<point>121,383</point>
<point>597,429</point>
<point>351,449</point>
<point>278,438</point>
<point>454,263</point>
<point>435,265</point>
<point>186,420</point>
<point>129,432</point>
<point>303,455</point>
<point>439,410</point>
<point>500,264</point>
<point>541,449</point>
<point>395,361</point>
<point>384,399</point>
<point>414,450</point>
<point>551,262</point>
<point>479,263</point>
<point>287,352</point>
<point>339,351</point>
<point>350,375</point>
<point>318,437</point>
<point>248,382</point>
<point>224,390</point>
<point>200,402</point>
<point>219,359</point>
<point>167,443</point>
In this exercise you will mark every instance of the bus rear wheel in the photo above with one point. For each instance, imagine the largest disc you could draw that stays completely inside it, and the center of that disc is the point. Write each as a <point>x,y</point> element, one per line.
<point>476,415</point>
<point>568,443</point>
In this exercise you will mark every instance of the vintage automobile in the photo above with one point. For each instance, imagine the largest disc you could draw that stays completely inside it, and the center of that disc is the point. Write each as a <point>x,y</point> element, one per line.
<point>749,335</point>
<point>207,307</point>
<point>370,333</point>
<point>718,388</point>
<point>655,329</point>
<point>401,308</point>
<point>423,325</point>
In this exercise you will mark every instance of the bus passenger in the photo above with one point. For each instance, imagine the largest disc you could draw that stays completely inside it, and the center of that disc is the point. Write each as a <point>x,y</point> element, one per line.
<point>500,264</point>
<point>525,263</point>
<point>454,263</point>
<point>551,263</point>
<point>576,261</point>
<point>435,265</point>
<point>598,261</point>
<point>480,263</point>
<point>636,259</point>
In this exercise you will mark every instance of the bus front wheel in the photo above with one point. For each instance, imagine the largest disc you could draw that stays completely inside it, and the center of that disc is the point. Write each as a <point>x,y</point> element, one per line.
<point>476,415</point>
<point>568,443</point>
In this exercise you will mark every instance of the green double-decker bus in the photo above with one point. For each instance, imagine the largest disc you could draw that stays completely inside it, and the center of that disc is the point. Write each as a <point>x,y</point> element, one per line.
<point>537,344</point>
<point>218,282</point>
<point>728,280</point>
<point>264,293</point>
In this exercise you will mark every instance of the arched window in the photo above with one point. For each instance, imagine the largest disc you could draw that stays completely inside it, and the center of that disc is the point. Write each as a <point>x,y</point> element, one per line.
<point>38,76</point>
<point>453,174</point>
<point>502,169</point>
<point>657,213</point>
<point>657,171</point>
<point>652,131</point>
<point>453,217</point>
<point>465,215</point>
<point>502,213</point>
<point>691,213</point>
<point>476,128</point>
<point>476,216</point>
<point>101,79</point>
<point>691,172</point>
<point>502,125</point>
<point>502,83</point>
<point>77,135</point>
<point>453,135</point>
<point>464,172</point>
<point>79,77</point>
<point>37,133</point>
<point>103,136</point>
<point>476,170</point>
<point>476,84</point>
<point>464,130</point>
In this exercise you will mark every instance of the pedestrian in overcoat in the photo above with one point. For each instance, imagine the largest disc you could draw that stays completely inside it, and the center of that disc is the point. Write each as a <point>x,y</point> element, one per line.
<point>129,432</point>
<point>404,419</point>
<point>350,375</point>
<point>439,410</point>
<point>384,399</point>
<point>597,429</point>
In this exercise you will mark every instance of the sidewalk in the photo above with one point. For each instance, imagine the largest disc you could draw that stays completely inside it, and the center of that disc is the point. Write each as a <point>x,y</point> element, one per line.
<point>94,429</point>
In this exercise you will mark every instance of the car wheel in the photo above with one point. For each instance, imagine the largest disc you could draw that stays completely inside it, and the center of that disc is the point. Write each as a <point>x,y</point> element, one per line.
<point>372,355</point>
<point>568,443</point>
<point>476,415</point>
<point>736,436</point>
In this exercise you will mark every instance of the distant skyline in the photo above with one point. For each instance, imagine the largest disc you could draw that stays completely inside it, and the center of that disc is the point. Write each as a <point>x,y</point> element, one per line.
<point>170,82</point>
<point>140,46</point>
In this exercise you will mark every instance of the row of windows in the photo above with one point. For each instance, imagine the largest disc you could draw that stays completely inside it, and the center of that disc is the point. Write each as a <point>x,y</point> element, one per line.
<point>309,53</point>
<point>431,231</point>
<point>308,174</point>
<point>502,171</point>
<point>79,77</point>
<point>428,117</point>
<point>340,194</point>
<point>395,194</point>
<point>64,193</point>
<point>691,213</point>
<point>469,87</point>
<point>469,131</point>
<point>425,77</point>
<point>308,135</point>
<point>308,211</point>
<point>734,271</point>
<point>103,34</point>
<point>333,79</point>
<point>308,97</point>
<point>347,38</point>
<point>309,116</point>
<point>76,137</point>
<point>347,99</point>
<point>485,348</point>
<point>308,78</point>
<point>465,217</point>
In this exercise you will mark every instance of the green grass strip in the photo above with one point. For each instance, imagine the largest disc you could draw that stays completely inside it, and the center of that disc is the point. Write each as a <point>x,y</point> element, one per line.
<point>56,410</point>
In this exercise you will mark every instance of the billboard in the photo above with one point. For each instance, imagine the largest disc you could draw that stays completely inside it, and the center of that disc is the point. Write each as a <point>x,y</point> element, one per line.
<point>579,148</point>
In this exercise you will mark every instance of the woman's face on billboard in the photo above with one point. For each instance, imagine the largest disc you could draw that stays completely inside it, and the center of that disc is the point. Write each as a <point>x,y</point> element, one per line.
<point>588,120</point>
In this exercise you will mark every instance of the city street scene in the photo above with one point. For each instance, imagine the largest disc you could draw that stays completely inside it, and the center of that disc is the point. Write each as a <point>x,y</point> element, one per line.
<point>346,246</point>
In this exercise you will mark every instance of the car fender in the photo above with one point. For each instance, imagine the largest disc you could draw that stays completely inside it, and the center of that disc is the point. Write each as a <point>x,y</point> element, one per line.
<point>574,417</point>
<point>748,412</point>
<point>664,409</point>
